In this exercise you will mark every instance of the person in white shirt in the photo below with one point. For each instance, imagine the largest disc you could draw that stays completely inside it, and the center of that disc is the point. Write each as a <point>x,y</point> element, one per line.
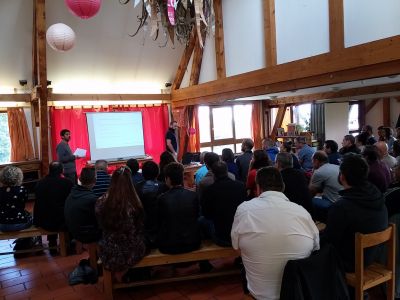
<point>270,230</point>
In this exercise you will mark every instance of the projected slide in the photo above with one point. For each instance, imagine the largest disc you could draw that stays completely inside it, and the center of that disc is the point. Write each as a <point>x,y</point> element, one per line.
<point>115,135</point>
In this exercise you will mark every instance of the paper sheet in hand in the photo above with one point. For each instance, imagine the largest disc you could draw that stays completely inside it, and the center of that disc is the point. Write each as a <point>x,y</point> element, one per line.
<point>80,152</point>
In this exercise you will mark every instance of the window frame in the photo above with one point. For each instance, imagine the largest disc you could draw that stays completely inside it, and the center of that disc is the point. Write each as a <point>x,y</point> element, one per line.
<point>227,141</point>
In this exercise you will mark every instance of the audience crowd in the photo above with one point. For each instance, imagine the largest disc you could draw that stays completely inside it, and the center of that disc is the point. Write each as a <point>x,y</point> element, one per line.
<point>264,203</point>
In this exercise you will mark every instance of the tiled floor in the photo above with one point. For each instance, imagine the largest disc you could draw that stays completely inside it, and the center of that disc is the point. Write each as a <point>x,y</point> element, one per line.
<point>44,277</point>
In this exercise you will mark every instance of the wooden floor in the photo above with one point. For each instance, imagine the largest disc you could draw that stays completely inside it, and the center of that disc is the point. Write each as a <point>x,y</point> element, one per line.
<point>44,277</point>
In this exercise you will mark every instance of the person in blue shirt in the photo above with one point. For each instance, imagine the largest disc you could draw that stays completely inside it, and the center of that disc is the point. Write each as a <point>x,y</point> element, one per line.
<point>200,173</point>
<point>305,154</point>
<point>229,158</point>
<point>102,178</point>
<point>270,148</point>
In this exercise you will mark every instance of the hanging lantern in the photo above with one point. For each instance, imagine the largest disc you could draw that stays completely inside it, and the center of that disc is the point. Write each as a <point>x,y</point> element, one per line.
<point>60,37</point>
<point>83,9</point>
<point>192,131</point>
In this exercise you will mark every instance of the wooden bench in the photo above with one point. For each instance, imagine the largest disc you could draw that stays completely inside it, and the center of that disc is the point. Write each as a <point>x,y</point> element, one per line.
<point>208,251</point>
<point>32,232</point>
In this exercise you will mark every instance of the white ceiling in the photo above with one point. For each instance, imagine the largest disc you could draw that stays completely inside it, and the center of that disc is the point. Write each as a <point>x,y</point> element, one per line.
<point>105,58</point>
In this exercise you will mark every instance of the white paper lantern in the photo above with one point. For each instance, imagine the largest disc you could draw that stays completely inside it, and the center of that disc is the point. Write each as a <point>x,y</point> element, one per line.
<point>60,37</point>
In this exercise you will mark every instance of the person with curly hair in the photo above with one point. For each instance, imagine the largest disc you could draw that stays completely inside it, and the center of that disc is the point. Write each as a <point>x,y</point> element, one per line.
<point>120,215</point>
<point>260,159</point>
<point>13,216</point>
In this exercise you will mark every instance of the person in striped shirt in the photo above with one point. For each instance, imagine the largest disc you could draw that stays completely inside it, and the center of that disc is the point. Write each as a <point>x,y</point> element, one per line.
<point>102,178</point>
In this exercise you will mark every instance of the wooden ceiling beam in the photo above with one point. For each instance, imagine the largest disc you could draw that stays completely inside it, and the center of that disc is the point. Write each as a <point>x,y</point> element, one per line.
<point>219,40</point>
<point>366,90</point>
<point>371,105</point>
<point>365,72</point>
<point>187,54</point>
<point>110,97</point>
<point>357,57</point>
<point>15,97</point>
<point>197,60</point>
<point>269,33</point>
<point>336,25</point>
<point>278,121</point>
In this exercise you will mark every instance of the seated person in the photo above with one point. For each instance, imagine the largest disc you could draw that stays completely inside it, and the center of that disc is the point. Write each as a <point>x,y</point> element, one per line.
<point>296,184</point>
<point>178,213</point>
<point>148,190</point>
<point>305,154</point>
<point>102,178</point>
<point>361,208</point>
<point>384,155</point>
<point>229,158</point>
<point>392,195</point>
<point>288,148</point>
<point>379,173</point>
<point>165,158</point>
<point>51,193</point>
<point>209,159</point>
<point>349,145</point>
<point>260,159</point>
<point>79,208</point>
<point>13,216</point>
<point>270,230</point>
<point>219,203</point>
<point>324,181</point>
<point>331,148</point>
<point>120,215</point>
<point>133,164</point>
<point>202,171</point>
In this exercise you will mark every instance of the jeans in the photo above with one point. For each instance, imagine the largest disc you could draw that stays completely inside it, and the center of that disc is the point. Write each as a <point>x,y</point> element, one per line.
<point>321,207</point>
<point>15,227</point>
<point>208,232</point>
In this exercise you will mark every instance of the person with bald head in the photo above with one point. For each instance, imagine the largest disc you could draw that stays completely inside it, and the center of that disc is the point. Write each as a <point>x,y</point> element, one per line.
<point>324,185</point>
<point>384,155</point>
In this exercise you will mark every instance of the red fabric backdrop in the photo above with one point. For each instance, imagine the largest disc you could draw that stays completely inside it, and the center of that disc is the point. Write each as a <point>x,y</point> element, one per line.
<point>155,125</point>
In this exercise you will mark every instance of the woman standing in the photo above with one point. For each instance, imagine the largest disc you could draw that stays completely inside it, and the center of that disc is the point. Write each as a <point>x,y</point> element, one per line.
<point>120,215</point>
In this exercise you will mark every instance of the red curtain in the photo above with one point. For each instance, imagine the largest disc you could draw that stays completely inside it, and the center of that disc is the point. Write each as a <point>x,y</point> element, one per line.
<point>155,125</point>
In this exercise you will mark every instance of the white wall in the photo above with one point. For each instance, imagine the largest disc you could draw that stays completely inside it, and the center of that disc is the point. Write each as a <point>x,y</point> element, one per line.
<point>336,121</point>
<point>366,21</point>
<point>302,29</point>
<point>375,116</point>
<point>243,36</point>
<point>208,66</point>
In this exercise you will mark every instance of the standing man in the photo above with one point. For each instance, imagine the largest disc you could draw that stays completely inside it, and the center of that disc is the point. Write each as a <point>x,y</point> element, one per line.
<point>243,160</point>
<point>270,230</point>
<point>171,140</point>
<point>65,156</point>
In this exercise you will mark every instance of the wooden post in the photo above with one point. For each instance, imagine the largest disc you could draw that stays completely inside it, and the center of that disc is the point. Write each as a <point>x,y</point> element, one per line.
<point>269,33</point>
<point>336,27</point>
<point>219,40</point>
<point>386,112</point>
<point>40,33</point>
<point>197,60</point>
<point>278,121</point>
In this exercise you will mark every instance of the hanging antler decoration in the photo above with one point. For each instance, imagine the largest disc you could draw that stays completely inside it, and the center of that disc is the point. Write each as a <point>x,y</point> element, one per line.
<point>174,18</point>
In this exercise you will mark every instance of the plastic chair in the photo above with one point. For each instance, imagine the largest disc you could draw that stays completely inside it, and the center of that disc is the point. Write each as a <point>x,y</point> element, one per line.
<point>367,277</point>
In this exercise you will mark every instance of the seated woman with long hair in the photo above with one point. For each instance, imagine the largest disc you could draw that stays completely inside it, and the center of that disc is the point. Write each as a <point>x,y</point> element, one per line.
<point>13,216</point>
<point>120,215</point>
<point>260,159</point>
<point>165,158</point>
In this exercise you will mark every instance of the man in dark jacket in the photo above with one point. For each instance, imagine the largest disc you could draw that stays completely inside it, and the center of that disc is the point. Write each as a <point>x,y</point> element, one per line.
<point>178,212</point>
<point>349,145</point>
<point>243,160</point>
<point>79,211</point>
<point>219,204</point>
<point>361,208</point>
<point>51,192</point>
<point>148,191</point>
<point>296,185</point>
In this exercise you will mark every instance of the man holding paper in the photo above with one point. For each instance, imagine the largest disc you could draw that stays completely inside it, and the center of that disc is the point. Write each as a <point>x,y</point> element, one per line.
<point>65,156</point>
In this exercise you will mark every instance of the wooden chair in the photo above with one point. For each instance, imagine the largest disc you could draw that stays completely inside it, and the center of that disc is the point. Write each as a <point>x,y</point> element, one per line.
<point>375,274</point>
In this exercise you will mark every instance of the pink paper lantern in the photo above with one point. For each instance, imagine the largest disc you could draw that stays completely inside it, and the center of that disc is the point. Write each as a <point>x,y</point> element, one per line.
<point>84,9</point>
<point>60,37</point>
<point>192,131</point>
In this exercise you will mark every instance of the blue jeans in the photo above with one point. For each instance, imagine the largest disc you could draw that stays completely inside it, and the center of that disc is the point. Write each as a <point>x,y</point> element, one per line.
<point>208,232</point>
<point>15,227</point>
<point>321,207</point>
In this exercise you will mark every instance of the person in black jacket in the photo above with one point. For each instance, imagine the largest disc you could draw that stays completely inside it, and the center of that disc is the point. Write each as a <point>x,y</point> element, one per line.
<point>79,210</point>
<point>51,193</point>
<point>148,191</point>
<point>361,208</point>
<point>178,212</point>
<point>296,184</point>
<point>219,204</point>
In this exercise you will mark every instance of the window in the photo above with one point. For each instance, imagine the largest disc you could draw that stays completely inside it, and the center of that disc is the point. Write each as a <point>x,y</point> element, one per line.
<point>5,145</point>
<point>224,127</point>
<point>354,126</point>
<point>302,116</point>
